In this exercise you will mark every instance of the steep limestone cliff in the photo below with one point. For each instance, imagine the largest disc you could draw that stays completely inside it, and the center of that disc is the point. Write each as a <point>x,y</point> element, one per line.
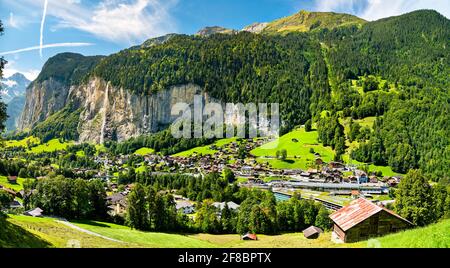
<point>42,100</point>
<point>110,113</point>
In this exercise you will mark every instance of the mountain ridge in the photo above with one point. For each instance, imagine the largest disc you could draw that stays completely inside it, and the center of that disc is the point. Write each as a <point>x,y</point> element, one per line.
<point>72,76</point>
<point>13,86</point>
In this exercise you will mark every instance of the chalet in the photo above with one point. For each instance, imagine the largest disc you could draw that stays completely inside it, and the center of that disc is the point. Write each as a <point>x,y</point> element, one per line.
<point>12,179</point>
<point>231,205</point>
<point>363,219</point>
<point>117,204</point>
<point>319,161</point>
<point>15,204</point>
<point>247,170</point>
<point>336,165</point>
<point>37,212</point>
<point>312,232</point>
<point>250,236</point>
<point>373,179</point>
<point>392,183</point>
<point>185,207</point>
<point>305,174</point>
<point>361,176</point>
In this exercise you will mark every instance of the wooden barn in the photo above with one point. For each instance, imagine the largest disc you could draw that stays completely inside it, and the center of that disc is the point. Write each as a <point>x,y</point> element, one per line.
<point>363,219</point>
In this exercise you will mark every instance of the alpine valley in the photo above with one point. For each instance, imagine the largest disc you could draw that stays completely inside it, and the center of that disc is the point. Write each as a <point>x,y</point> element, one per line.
<point>365,112</point>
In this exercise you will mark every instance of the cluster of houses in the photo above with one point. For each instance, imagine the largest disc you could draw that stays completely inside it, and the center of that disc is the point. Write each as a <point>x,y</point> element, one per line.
<point>188,207</point>
<point>329,180</point>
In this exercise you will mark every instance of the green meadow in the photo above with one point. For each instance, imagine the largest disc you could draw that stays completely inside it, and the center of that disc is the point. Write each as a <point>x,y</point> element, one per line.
<point>299,145</point>
<point>29,232</point>
<point>51,146</point>
<point>27,142</point>
<point>206,150</point>
<point>16,187</point>
<point>144,151</point>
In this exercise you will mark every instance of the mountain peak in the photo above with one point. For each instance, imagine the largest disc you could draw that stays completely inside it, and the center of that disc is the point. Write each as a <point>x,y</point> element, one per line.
<point>13,86</point>
<point>305,21</point>
<point>18,77</point>
<point>210,30</point>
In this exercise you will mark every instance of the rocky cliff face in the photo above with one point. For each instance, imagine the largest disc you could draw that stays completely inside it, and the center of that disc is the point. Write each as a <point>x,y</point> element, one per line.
<point>110,113</point>
<point>42,100</point>
<point>255,27</point>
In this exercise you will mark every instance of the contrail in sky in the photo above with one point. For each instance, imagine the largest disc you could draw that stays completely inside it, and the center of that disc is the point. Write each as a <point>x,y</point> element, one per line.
<point>42,27</point>
<point>40,47</point>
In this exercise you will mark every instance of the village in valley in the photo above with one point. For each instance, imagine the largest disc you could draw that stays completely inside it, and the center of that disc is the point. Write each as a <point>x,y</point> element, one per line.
<point>352,194</point>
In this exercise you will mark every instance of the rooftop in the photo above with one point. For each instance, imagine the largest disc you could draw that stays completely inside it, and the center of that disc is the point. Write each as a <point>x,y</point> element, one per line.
<point>358,211</point>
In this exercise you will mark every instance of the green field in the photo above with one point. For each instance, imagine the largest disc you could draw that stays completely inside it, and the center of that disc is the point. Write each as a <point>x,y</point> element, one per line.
<point>16,187</point>
<point>144,239</point>
<point>206,150</point>
<point>144,151</point>
<point>30,141</point>
<point>23,232</point>
<point>46,232</point>
<point>298,145</point>
<point>51,146</point>
<point>293,240</point>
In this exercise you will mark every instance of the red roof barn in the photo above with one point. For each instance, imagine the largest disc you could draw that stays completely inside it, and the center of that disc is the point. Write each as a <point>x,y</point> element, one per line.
<point>363,219</point>
<point>250,237</point>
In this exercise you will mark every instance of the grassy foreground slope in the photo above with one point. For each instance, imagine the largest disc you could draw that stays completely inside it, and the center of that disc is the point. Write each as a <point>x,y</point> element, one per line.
<point>14,236</point>
<point>433,236</point>
<point>47,232</point>
<point>144,239</point>
<point>27,232</point>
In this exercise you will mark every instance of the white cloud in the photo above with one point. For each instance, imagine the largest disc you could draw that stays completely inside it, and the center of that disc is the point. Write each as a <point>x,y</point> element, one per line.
<point>376,9</point>
<point>45,46</point>
<point>120,21</point>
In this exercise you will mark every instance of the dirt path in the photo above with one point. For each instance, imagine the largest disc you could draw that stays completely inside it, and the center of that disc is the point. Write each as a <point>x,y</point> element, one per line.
<point>73,226</point>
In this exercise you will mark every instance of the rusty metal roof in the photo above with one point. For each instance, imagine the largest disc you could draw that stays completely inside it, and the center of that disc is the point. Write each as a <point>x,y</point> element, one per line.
<point>311,231</point>
<point>358,211</point>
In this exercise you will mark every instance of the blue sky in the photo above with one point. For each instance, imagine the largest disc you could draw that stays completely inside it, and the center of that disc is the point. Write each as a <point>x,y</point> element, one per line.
<point>103,27</point>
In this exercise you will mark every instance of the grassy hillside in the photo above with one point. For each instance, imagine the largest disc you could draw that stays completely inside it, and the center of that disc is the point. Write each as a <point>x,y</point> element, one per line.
<point>50,146</point>
<point>28,232</point>
<point>298,145</point>
<point>14,236</point>
<point>144,239</point>
<point>305,21</point>
<point>16,187</point>
<point>206,150</point>
<point>29,141</point>
<point>46,232</point>
<point>144,151</point>
<point>433,236</point>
